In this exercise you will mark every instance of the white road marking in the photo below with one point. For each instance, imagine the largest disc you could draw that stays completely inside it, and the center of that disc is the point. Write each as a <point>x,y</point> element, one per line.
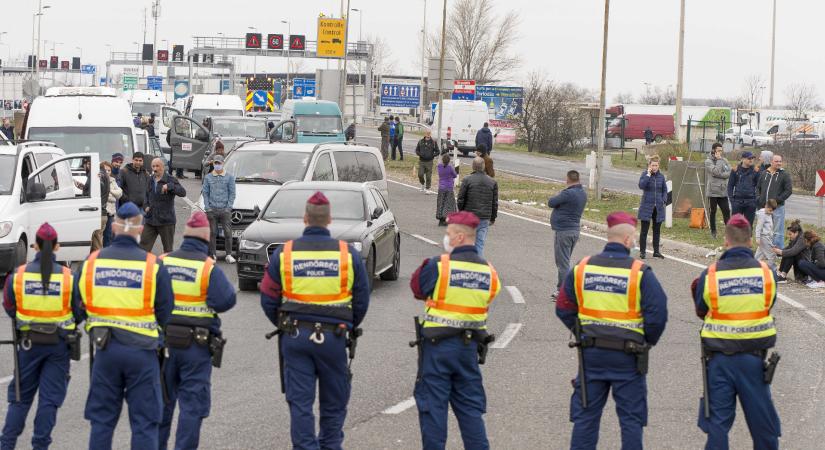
<point>813,314</point>
<point>515,294</point>
<point>507,335</point>
<point>9,378</point>
<point>400,407</point>
<point>422,238</point>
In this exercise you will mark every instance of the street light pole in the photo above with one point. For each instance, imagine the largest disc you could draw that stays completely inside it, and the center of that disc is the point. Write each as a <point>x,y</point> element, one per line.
<point>773,55</point>
<point>441,70</point>
<point>343,83</point>
<point>423,62</point>
<point>40,13</point>
<point>679,72</point>
<point>286,44</point>
<point>155,15</point>
<point>602,101</point>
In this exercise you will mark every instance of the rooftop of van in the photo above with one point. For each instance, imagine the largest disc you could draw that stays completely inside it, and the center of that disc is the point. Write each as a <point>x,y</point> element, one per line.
<point>319,107</point>
<point>99,91</point>
<point>79,111</point>
<point>144,95</point>
<point>215,101</point>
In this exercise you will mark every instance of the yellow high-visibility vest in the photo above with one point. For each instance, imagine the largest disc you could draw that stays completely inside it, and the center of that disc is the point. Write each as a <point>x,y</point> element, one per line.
<point>120,293</point>
<point>317,281</point>
<point>609,299</point>
<point>190,283</point>
<point>462,295</point>
<point>51,305</point>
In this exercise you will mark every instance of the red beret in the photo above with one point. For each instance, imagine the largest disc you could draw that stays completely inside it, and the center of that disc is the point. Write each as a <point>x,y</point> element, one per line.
<point>739,221</point>
<point>46,232</point>
<point>620,217</point>
<point>198,219</point>
<point>463,218</point>
<point>318,199</point>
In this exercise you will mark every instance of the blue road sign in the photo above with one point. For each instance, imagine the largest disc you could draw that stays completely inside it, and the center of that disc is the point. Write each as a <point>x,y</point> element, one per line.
<point>507,102</point>
<point>88,68</point>
<point>463,96</point>
<point>302,87</point>
<point>259,98</point>
<point>400,95</point>
<point>225,86</point>
<point>154,83</point>
<point>181,89</point>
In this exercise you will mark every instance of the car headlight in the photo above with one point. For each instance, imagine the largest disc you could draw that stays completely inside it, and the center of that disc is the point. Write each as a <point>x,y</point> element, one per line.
<point>5,229</point>
<point>250,245</point>
<point>357,245</point>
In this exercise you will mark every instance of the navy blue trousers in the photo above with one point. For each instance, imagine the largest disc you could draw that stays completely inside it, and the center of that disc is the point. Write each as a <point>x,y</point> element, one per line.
<point>43,369</point>
<point>605,371</point>
<point>739,375</point>
<point>124,372</point>
<point>307,364</point>
<point>450,376</point>
<point>188,374</point>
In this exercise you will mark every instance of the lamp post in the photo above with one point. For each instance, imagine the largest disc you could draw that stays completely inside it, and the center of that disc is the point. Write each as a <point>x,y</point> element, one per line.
<point>423,62</point>
<point>602,100</point>
<point>288,35</point>
<point>155,15</point>
<point>773,55</point>
<point>360,81</point>
<point>40,9</point>
<point>679,71</point>
<point>254,58</point>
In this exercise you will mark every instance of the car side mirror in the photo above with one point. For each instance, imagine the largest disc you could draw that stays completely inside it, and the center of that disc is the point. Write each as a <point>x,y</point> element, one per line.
<point>202,135</point>
<point>35,192</point>
<point>377,212</point>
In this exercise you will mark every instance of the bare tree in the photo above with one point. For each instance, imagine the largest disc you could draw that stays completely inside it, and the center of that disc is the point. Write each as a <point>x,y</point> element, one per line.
<point>481,44</point>
<point>552,120</point>
<point>658,96</point>
<point>624,98</point>
<point>802,98</point>
<point>381,61</point>
<point>529,119</point>
<point>752,92</point>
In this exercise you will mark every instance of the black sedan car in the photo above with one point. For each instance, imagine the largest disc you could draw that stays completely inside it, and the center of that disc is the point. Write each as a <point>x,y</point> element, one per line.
<point>360,216</point>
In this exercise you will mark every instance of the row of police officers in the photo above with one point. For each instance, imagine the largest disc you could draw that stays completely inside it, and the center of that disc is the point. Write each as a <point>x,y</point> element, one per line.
<point>316,293</point>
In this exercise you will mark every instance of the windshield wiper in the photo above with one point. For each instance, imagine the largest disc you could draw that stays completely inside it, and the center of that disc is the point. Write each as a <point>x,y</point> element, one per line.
<point>257,180</point>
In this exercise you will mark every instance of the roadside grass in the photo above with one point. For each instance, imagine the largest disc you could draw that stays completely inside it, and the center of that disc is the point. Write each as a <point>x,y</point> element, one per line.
<point>535,193</point>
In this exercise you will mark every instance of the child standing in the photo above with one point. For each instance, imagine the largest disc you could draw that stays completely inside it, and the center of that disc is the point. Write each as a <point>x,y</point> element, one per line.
<point>446,183</point>
<point>764,233</point>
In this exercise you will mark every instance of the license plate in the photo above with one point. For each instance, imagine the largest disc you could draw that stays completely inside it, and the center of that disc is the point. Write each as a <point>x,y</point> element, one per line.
<point>237,233</point>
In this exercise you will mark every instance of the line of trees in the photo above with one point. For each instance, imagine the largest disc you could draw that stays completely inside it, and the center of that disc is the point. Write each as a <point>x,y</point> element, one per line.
<point>553,120</point>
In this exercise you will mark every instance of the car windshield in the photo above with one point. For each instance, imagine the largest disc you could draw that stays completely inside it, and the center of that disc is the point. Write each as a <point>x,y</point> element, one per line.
<point>290,204</point>
<point>146,108</point>
<point>239,127</point>
<point>7,170</point>
<point>319,124</point>
<point>267,166</point>
<point>199,114</point>
<point>105,141</point>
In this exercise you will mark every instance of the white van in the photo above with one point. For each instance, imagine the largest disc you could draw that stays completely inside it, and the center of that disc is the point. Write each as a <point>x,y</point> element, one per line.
<point>83,120</point>
<point>461,120</point>
<point>201,106</point>
<point>146,102</point>
<point>36,186</point>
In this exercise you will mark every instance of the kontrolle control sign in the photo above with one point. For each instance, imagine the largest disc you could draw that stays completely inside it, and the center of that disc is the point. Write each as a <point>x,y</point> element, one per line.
<point>331,38</point>
<point>400,93</point>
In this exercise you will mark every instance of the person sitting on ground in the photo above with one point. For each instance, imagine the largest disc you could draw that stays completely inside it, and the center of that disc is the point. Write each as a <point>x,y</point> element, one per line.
<point>815,268</point>
<point>484,153</point>
<point>764,234</point>
<point>793,253</point>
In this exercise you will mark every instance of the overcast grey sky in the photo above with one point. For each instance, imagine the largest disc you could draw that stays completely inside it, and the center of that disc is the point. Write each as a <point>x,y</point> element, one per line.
<point>725,40</point>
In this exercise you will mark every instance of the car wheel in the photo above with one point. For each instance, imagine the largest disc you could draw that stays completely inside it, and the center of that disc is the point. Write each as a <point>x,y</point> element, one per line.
<point>391,274</point>
<point>370,266</point>
<point>658,138</point>
<point>20,252</point>
<point>247,285</point>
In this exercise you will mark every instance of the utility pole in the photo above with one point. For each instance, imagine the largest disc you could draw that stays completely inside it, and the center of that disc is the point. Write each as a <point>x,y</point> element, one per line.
<point>155,15</point>
<point>343,95</point>
<point>602,101</point>
<point>441,70</point>
<point>423,63</point>
<point>773,55</point>
<point>287,44</point>
<point>679,72</point>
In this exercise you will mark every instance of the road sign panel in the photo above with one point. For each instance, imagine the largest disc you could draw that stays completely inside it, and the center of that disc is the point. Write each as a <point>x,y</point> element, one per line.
<point>163,55</point>
<point>400,93</point>
<point>154,83</point>
<point>130,82</point>
<point>297,42</point>
<point>181,88</point>
<point>331,38</point>
<point>259,98</point>
<point>177,53</point>
<point>225,86</point>
<point>819,191</point>
<point>275,41</point>
<point>88,68</point>
<point>253,40</point>
<point>53,61</point>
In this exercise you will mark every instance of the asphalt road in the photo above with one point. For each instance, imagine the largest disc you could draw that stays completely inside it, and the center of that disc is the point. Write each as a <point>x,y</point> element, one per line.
<point>804,207</point>
<point>527,377</point>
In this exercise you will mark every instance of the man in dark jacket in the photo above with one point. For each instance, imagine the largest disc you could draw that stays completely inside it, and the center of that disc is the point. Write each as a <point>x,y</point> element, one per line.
<point>160,208</point>
<point>426,150</point>
<point>134,180</point>
<point>479,195</point>
<point>485,136</point>
<point>384,128</point>
<point>7,129</point>
<point>565,220</point>
<point>775,183</point>
<point>742,188</point>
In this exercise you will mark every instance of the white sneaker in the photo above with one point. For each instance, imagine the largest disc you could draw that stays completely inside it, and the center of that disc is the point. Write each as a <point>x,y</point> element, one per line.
<point>423,189</point>
<point>230,259</point>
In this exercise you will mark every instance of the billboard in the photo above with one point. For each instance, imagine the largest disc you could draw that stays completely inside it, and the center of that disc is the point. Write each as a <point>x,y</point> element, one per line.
<point>503,102</point>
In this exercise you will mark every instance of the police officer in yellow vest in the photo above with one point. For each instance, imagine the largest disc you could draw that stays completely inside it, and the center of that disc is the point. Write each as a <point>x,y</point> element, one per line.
<point>452,338</point>
<point>127,297</point>
<point>734,296</point>
<point>38,296</point>
<point>316,292</point>
<point>617,310</point>
<point>193,334</point>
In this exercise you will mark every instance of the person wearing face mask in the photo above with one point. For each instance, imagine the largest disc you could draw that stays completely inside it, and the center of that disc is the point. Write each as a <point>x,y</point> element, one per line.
<point>218,197</point>
<point>742,187</point>
<point>452,337</point>
<point>652,208</point>
<point>617,310</point>
<point>125,296</point>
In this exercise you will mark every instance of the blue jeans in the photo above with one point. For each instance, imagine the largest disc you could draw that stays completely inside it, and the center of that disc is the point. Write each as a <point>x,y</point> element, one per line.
<point>779,226</point>
<point>563,245</point>
<point>481,235</point>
